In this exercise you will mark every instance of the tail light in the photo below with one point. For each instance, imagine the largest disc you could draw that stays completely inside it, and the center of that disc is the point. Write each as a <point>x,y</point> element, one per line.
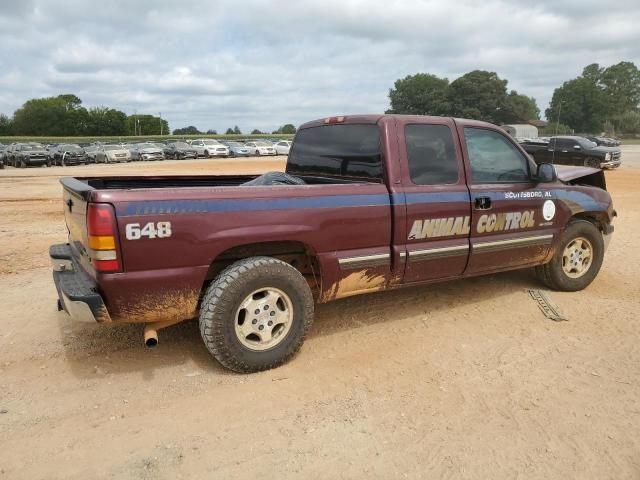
<point>102,232</point>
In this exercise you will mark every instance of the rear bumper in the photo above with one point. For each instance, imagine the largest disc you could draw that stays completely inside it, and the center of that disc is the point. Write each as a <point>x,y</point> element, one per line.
<point>77,292</point>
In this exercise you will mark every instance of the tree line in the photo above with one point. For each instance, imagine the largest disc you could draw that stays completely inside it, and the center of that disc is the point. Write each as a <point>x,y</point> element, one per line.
<point>601,99</point>
<point>64,115</point>
<point>191,130</point>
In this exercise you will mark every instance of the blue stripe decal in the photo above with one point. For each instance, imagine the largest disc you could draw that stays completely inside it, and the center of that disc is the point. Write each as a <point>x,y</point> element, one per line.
<point>249,204</point>
<point>435,197</point>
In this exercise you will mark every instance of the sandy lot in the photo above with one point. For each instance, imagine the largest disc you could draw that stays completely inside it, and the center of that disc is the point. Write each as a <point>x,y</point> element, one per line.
<point>458,380</point>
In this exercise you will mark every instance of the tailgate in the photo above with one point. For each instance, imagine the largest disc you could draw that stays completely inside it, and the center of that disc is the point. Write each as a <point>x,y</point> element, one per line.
<point>75,199</point>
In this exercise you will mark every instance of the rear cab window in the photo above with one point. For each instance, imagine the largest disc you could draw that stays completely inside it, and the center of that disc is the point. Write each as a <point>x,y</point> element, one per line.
<point>348,152</point>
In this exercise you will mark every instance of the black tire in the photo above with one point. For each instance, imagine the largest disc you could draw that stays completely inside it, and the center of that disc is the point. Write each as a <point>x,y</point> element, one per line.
<point>176,156</point>
<point>591,162</point>
<point>22,164</point>
<point>206,154</point>
<point>224,297</point>
<point>553,274</point>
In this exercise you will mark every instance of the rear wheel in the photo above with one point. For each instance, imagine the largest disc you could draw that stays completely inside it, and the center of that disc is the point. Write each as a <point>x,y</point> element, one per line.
<point>206,154</point>
<point>577,260</point>
<point>256,314</point>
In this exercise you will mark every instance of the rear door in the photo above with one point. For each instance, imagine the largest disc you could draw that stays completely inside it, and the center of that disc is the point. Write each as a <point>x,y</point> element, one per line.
<point>437,200</point>
<point>512,216</point>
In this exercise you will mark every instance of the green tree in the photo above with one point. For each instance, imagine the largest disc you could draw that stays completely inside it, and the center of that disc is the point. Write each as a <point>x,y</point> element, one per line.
<point>628,122</point>
<point>621,83</point>
<point>236,130</point>
<point>6,125</point>
<point>255,131</point>
<point>190,130</point>
<point>140,124</point>
<point>56,116</point>
<point>579,103</point>
<point>288,128</point>
<point>420,94</point>
<point>521,108</point>
<point>229,131</point>
<point>480,95</point>
<point>106,121</point>
<point>212,132</point>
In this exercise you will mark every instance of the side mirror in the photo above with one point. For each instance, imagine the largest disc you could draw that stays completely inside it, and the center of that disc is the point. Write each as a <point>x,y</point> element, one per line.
<point>546,173</point>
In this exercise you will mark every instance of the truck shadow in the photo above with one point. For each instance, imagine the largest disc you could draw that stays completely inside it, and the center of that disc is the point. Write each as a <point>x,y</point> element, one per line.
<point>111,350</point>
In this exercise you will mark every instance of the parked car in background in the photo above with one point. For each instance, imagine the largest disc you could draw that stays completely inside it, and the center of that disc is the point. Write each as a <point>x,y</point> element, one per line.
<point>29,155</point>
<point>603,141</point>
<point>572,150</point>
<point>208,147</point>
<point>67,154</point>
<point>237,149</point>
<point>3,149</point>
<point>282,147</point>
<point>112,154</point>
<point>179,150</point>
<point>147,151</point>
<point>261,148</point>
<point>91,151</point>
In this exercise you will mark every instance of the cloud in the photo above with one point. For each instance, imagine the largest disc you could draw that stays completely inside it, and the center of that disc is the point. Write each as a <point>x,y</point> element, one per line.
<point>262,64</point>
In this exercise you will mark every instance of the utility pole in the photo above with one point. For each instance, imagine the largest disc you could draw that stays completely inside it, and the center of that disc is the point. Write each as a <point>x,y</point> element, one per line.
<point>135,123</point>
<point>160,115</point>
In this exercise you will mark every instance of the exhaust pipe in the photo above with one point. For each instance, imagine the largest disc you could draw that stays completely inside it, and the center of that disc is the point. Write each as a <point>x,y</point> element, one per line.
<point>150,336</point>
<point>151,331</point>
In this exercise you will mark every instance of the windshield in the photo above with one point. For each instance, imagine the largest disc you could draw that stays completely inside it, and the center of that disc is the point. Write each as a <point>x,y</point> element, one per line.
<point>181,145</point>
<point>262,144</point>
<point>211,142</point>
<point>587,143</point>
<point>112,147</point>
<point>32,147</point>
<point>71,148</point>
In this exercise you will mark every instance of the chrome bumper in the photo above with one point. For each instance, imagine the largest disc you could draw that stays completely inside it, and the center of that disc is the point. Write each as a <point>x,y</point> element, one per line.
<point>77,292</point>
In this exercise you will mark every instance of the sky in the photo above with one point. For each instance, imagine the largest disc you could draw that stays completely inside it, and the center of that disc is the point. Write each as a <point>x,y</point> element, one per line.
<point>261,64</point>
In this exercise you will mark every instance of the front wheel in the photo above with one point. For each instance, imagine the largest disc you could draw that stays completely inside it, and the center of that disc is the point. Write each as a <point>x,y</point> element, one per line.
<point>577,260</point>
<point>591,162</point>
<point>256,314</point>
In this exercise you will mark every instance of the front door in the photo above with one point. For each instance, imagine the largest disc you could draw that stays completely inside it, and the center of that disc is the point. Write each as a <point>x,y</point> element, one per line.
<point>437,201</point>
<point>512,216</point>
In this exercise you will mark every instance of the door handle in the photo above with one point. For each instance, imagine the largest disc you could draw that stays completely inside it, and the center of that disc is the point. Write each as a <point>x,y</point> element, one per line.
<point>482,203</point>
<point>565,151</point>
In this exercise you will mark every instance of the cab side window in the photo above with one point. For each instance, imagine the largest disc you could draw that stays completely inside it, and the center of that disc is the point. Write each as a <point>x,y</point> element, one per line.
<point>493,158</point>
<point>431,155</point>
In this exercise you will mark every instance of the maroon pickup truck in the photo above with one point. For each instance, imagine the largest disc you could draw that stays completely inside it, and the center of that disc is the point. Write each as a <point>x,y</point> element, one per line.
<point>367,203</point>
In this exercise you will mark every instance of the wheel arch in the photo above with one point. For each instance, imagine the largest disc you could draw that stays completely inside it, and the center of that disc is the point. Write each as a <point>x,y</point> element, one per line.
<point>299,255</point>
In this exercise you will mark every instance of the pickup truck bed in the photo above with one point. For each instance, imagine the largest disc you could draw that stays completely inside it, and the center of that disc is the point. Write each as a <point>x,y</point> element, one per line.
<point>387,202</point>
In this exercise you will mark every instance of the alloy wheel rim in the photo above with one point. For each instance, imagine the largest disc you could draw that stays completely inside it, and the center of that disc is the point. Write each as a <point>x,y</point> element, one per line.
<point>263,319</point>
<point>577,257</point>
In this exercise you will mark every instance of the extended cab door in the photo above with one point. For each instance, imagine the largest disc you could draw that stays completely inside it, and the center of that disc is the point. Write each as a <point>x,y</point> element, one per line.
<point>512,216</point>
<point>437,199</point>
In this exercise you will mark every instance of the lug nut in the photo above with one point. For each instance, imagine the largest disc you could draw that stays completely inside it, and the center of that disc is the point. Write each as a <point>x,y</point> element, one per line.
<point>254,321</point>
<point>270,323</point>
<point>261,327</point>
<point>257,311</point>
<point>272,313</point>
<point>266,307</point>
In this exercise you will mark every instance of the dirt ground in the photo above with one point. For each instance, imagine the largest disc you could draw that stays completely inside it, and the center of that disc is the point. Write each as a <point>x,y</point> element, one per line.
<point>458,380</point>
